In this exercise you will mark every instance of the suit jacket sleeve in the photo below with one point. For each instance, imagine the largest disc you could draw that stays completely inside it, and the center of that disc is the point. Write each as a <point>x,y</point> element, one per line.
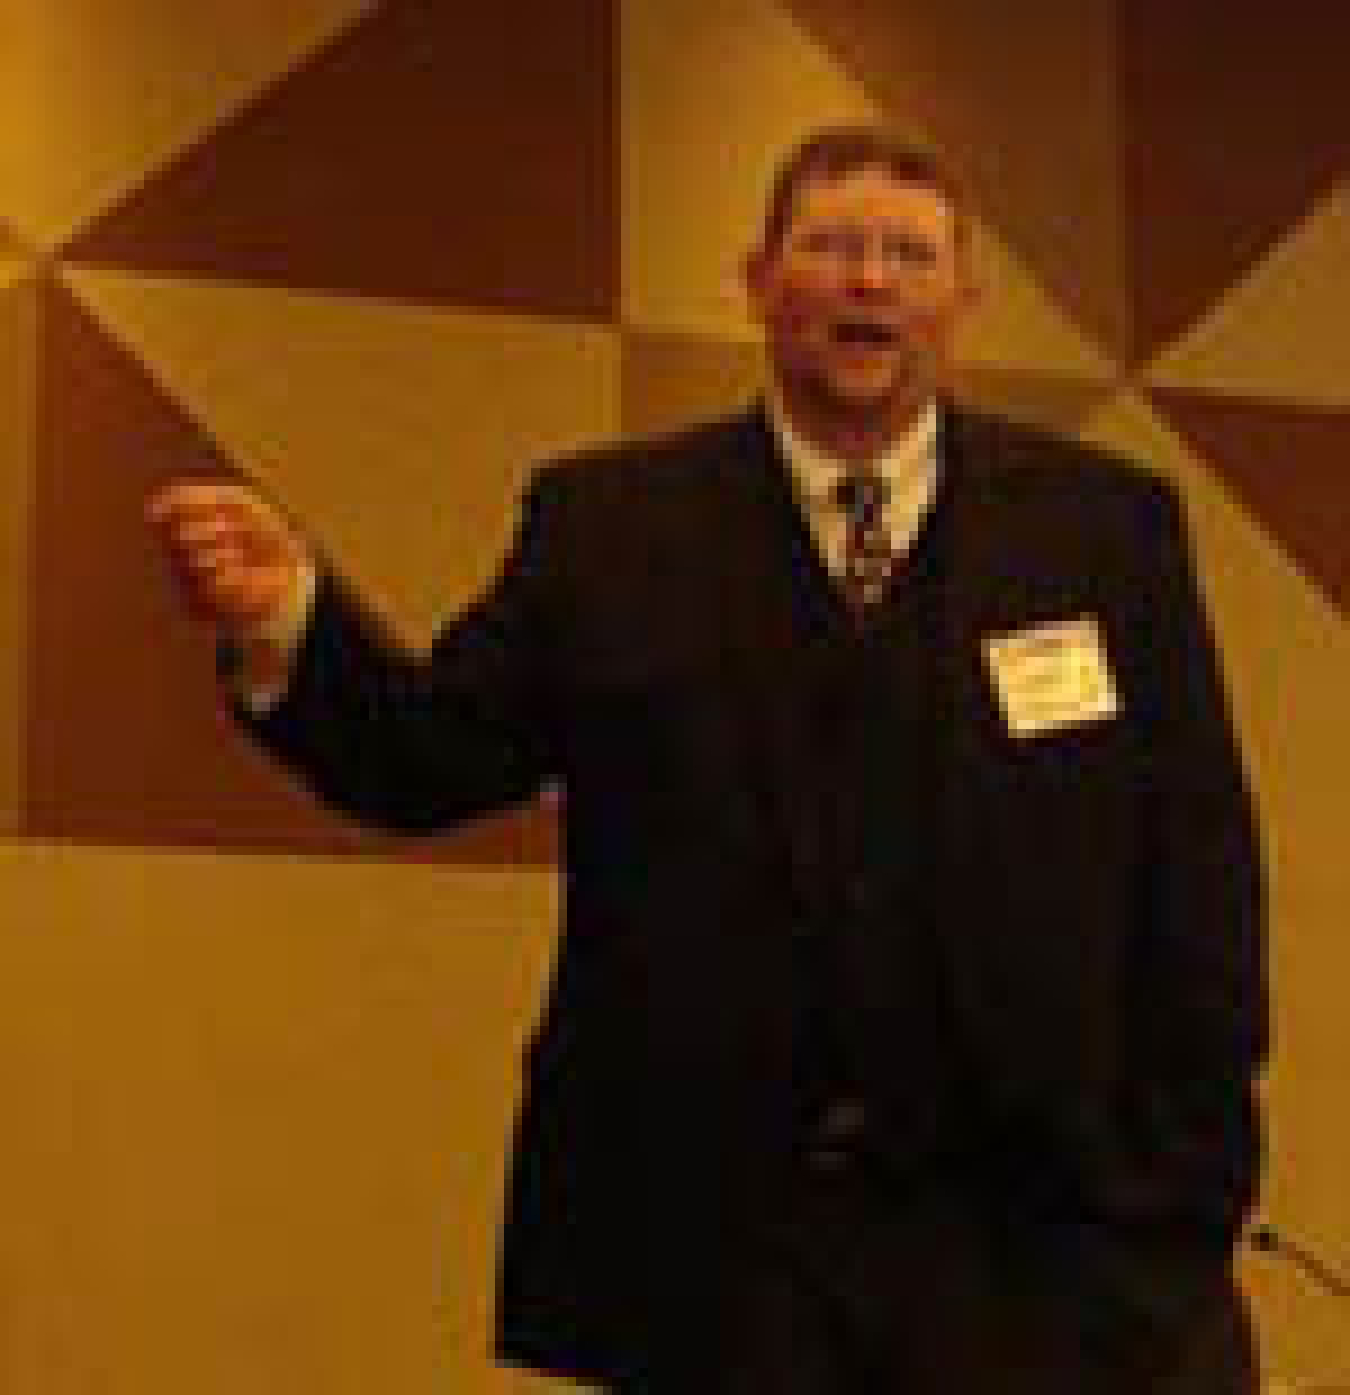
<point>419,743</point>
<point>1169,1178</point>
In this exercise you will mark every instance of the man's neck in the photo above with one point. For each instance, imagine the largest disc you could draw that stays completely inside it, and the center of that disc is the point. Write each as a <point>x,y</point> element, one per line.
<point>858,436</point>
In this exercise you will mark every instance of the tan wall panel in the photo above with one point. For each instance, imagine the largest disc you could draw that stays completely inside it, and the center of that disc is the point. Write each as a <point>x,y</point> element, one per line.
<point>713,93</point>
<point>1288,656</point>
<point>122,85</point>
<point>400,434</point>
<point>18,387</point>
<point>1055,403</point>
<point>256,1113</point>
<point>671,380</point>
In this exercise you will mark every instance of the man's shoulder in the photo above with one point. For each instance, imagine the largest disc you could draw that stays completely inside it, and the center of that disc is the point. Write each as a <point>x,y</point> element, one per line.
<point>1015,457</point>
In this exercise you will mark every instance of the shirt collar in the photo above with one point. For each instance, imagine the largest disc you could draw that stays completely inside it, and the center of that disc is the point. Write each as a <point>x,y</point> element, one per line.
<point>816,473</point>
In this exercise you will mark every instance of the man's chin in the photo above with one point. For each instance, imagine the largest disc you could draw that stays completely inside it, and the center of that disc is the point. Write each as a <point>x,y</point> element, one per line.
<point>874,398</point>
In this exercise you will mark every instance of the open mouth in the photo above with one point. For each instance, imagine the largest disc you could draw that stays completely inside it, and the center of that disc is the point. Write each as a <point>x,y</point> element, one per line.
<point>864,334</point>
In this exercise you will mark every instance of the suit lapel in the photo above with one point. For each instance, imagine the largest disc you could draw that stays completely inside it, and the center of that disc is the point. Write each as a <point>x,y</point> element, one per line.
<point>974,541</point>
<point>771,660</point>
<point>990,872</point>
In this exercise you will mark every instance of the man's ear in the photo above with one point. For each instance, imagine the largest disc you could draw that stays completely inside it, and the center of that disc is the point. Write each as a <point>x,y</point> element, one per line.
<point>756,274</point>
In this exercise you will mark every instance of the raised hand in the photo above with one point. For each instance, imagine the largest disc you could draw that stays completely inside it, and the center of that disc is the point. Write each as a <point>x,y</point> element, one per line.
<point>237,558</point>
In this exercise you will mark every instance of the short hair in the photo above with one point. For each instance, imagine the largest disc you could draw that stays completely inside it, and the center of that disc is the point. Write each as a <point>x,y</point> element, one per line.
<point>837,151</point>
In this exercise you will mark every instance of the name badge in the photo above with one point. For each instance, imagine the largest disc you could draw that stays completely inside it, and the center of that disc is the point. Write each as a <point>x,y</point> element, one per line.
<point>1052,676</point>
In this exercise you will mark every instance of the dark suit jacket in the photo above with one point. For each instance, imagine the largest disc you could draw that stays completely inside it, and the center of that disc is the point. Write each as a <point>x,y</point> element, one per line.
<point>1099,887</point>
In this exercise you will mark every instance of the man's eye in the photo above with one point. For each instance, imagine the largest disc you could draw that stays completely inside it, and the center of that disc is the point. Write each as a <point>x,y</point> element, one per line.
<point>908,251</point>
<point>849,246</point>
<point>831,242</point>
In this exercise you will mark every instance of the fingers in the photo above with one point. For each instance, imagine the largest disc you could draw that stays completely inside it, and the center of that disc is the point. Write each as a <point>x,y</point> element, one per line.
<point>213,531</point>
<point>232,553</point>
<point>216,561</point>
<point>181,499</point>
<point>220,586</point>
<point>194,515</point>
<point>184,502</point>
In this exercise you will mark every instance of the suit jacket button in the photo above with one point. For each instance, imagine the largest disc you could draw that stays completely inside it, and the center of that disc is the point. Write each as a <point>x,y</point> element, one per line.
<point>859,894</point>
<point>834,1140</point>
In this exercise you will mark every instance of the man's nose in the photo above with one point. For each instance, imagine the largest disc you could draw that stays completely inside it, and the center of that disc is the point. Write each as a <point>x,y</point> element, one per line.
<point>870,268</point>
<point>871,273</point>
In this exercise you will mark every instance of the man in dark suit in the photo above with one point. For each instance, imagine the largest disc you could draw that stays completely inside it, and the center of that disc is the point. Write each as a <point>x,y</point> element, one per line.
<point>910,998</point>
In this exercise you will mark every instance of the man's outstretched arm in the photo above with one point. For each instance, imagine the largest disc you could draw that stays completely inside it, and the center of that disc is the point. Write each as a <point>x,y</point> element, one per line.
<point>403,741</point>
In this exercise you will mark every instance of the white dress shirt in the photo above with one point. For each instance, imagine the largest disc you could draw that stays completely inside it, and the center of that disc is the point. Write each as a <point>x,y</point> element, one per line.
<point>909,465</point>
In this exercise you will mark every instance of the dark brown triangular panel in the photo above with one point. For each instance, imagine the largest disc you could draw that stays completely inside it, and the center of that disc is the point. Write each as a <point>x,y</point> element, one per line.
<point>432,153</point>
<point>1288,465</point>
<point>1234,121</point>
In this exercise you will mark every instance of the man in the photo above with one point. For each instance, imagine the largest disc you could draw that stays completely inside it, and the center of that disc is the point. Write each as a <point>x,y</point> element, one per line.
<point>911,993</point>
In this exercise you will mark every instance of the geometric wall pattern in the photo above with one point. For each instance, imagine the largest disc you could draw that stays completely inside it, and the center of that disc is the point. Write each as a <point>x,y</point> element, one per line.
<point>380,257</point>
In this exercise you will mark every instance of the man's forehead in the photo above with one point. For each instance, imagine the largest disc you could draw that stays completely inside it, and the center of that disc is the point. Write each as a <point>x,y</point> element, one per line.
<point>872,194</point>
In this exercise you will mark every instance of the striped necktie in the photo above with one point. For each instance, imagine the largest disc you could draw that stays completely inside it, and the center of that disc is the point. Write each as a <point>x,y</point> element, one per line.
<point>868,557</point>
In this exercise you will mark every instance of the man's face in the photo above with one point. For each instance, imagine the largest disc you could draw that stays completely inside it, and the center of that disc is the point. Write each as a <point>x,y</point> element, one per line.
<point>861,296</point>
